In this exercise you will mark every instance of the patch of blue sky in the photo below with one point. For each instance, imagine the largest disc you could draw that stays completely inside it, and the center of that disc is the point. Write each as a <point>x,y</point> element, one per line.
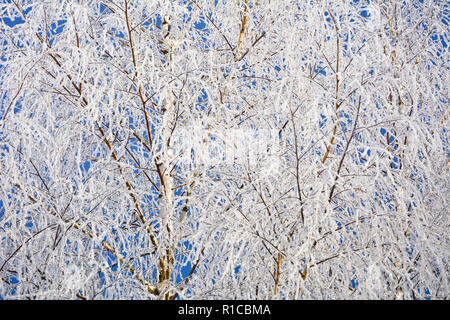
<point>426,291</point>
<point>29,223</point>
<point>84,167</point>
<point>185,269</point>
<point>323,121</point>
<point>13,17</point>
<point>354,283</point>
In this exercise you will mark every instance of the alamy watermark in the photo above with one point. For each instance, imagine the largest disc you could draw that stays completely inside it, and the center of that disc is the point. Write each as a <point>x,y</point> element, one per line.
<point>207,146</point>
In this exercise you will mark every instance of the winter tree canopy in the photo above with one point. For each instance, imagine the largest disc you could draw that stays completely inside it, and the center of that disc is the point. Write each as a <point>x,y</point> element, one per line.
<point>242,149</point>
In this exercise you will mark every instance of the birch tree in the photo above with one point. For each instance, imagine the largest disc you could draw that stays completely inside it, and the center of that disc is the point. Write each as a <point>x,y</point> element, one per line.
<point>245,149</point>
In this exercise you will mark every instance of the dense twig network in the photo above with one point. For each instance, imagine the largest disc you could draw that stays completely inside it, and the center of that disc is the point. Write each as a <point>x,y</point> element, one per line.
<point>247,149</point>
